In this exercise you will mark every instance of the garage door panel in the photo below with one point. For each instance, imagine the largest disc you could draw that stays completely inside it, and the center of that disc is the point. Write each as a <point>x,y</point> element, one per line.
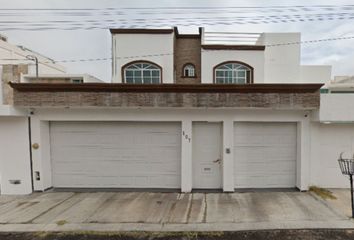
<point>116,154</point>
<point>125,181</point>
<point>265,155</point>
<point>114,167</point>
<point>259,154</point>
<point>263,141</point>
<point>265,168</point>
<point>258,181</point>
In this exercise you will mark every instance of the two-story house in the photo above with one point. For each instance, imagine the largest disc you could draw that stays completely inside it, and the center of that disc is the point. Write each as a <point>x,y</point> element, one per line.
<point>183,112</point>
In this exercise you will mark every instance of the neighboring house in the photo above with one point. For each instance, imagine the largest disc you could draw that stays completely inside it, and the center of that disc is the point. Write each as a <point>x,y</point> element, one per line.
<point>185,113</point>
<point>340,84</point>
<point>15,157</point>
<point>12,54</point>
<point>14,133</point>
<point>60,78</point>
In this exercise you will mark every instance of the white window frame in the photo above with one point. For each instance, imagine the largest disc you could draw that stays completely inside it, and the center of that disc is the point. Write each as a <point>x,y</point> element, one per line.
<point>191,70</point>
<point>139,70</point>
<point>235,70</point>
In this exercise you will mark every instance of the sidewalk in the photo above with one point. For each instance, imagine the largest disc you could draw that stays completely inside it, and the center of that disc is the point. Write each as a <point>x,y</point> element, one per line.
<point>143,211</point>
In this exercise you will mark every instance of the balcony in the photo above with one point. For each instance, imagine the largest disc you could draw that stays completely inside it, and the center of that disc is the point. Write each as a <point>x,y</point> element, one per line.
<point>263,96</point>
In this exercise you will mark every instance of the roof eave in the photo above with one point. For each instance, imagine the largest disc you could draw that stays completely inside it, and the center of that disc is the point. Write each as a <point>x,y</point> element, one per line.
<point>196,88</point>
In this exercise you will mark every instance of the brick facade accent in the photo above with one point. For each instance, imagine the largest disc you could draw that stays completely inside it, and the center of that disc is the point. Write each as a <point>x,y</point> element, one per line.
<point>292,101</point>
<point>11,73</point>
<point>187,50</point>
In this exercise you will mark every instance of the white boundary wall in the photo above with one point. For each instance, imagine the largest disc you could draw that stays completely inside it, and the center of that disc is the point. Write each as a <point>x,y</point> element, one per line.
<point>14,156</point>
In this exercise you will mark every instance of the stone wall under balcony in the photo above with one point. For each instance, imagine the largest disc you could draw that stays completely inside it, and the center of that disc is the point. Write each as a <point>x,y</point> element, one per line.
<point>196,96</point>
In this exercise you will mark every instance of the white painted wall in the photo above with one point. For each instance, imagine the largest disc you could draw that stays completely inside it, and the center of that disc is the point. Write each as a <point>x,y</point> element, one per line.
<point>281,63</point>
<point>327,142</point>
<point>40,127</point>
<point>10,51</point>
<point>132,47</point>
<point>14,156</point>
<point>27,78</point>
<point>1,89</point>
<point>336,107</point>
<point>315,73</point>
<point>332,132</point>
<point>228,158</point>
<point>186,156</point>
<point>41,156</point>
<point>211,58</point>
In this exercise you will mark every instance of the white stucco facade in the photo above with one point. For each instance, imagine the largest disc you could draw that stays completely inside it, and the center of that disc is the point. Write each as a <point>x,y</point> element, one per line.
<point>315,73</point>
<point>328,141</point>
<point>211,58</point>
<point>156,48</point>
<point>279,62</point>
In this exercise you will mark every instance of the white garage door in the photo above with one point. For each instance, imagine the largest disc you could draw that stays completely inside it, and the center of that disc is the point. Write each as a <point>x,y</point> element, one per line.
<point>264,155</point>
<point>116,154</point>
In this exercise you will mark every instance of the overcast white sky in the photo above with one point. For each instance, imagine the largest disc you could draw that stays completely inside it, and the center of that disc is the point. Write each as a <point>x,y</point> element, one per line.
<point>84,44</point>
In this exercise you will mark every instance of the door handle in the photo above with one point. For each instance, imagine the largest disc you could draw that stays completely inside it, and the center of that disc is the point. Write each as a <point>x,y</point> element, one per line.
<point>217,161</point>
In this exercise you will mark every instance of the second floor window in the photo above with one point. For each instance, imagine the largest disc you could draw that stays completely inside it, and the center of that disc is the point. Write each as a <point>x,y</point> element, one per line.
<point>142,72</point>
<point>189,70</point>
<point>233,72</point>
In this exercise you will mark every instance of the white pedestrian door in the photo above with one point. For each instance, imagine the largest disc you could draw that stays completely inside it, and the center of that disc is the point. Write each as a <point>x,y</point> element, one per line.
<point>207,162</point>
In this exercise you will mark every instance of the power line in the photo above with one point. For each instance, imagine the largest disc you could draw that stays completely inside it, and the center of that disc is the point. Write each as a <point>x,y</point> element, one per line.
<point>310,41</point>
<point>97,26</point>
<point>171,10</point>
<point>91,24</point>
<point>166,54</point>
<point>189,7</point>
<point>257,17</point>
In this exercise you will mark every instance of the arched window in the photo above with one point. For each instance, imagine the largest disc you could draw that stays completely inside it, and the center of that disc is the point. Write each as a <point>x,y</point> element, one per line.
<point>233,72</point>
<point>141,72</point>
<point>188,70</point>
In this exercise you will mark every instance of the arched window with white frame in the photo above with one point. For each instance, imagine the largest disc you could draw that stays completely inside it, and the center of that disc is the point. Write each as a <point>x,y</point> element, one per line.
<point>233,73</point>
<point>142,72</point>
<point>189,70</point>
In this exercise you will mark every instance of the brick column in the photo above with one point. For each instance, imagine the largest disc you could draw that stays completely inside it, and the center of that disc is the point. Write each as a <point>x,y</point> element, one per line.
<point>11,73</point>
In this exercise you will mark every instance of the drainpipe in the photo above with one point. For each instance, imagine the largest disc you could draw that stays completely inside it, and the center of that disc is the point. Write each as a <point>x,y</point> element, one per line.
<point>30,148</point>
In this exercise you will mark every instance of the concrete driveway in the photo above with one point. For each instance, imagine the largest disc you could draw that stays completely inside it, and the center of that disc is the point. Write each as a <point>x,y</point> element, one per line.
<point>127,211</point>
